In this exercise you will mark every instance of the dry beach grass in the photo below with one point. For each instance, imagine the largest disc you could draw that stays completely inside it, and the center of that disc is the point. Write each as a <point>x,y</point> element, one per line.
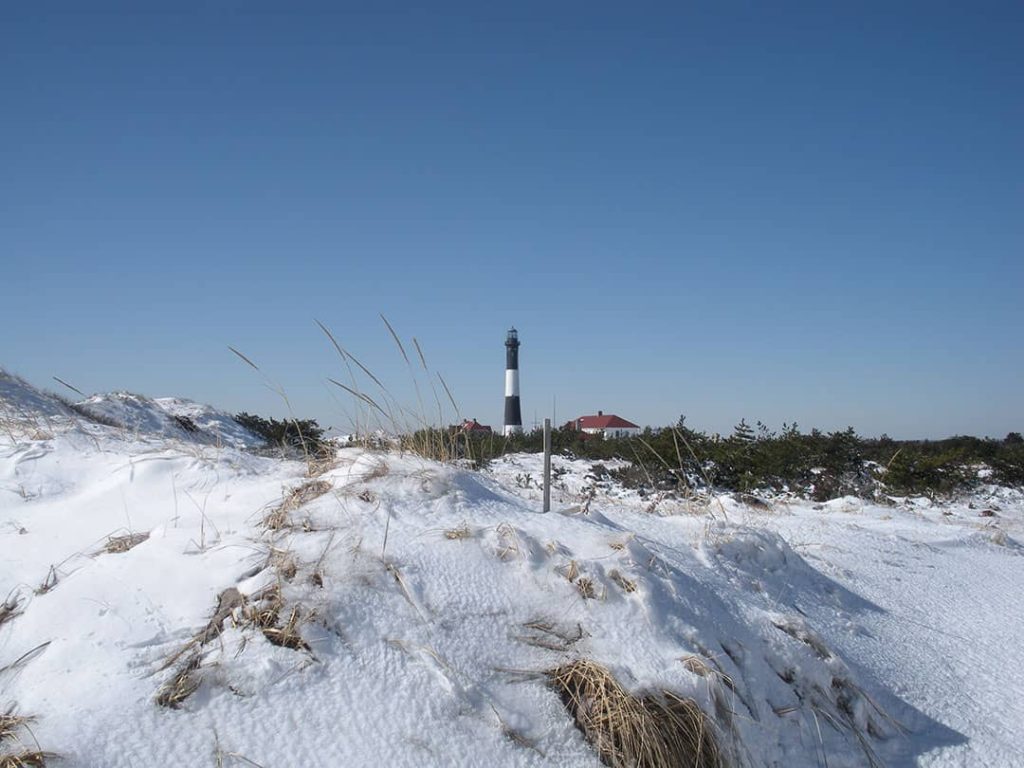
<point>657,730</point>
<point>13,731</point>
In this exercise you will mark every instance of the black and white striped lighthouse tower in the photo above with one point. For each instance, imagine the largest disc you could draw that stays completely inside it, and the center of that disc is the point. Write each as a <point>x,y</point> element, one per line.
<point>513,415</point>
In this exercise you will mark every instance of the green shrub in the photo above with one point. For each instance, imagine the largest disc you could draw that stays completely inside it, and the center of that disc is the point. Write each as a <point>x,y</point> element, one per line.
<point>1008,464</point>
<point>818,464</point>
<point>916,471</point>
<point>295,434</point>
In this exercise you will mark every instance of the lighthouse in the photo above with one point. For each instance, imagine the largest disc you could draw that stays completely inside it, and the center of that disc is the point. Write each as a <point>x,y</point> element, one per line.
<point>513,416</point>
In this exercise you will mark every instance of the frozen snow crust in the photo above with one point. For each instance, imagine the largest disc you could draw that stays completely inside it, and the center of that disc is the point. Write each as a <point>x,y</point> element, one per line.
<point>429,600</point>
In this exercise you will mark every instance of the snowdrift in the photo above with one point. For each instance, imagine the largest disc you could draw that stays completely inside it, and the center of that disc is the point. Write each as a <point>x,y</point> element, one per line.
<point>25,410</point>
<point>173,602</point>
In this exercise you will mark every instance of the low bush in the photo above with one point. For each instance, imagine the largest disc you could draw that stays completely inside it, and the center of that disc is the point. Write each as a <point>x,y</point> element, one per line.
<point>290,434</point>
<point>816,464</point>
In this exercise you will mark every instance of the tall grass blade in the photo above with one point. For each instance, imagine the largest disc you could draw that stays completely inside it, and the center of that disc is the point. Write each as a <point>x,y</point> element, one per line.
<point>59,380</point>
<point>420,353</point>
<point>246,359</point>
<point>366,370</point>
<point>365,398</point>
<point>337,346</point>
<point>449,393</point>
<point>397,340</point>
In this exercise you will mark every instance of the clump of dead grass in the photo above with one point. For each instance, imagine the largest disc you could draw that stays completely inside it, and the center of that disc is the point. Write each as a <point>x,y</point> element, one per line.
<point>49,582</point>
<point>508,542</point>
<point>318,463</point>
<point>626,585</point>
<point>277,517</point>
<point>11,724</point>
<point>183,683</point>
<point>30,758</point>
<point>227,601</point>
<point>305,493</point>
<point>283,562</point>
<point>264,614</point>
<point>585,586</point>
<point>657,730</point>
<point>11,607</point>
<point>461,531</point>
<point>571,571</point>
<point>13,729</point>
<point>117,545</point>
<point>286,634</point>
<point>261,612</point>
<point>382,413</point>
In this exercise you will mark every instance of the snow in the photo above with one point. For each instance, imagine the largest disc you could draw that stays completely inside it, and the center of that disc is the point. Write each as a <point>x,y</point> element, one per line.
<point>432,598</point>
<point>23,406</point>
<point>169,417</point>
<point>28,412</point>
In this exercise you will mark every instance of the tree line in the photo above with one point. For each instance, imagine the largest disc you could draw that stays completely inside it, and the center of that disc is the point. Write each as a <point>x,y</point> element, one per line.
<point>819,464</point>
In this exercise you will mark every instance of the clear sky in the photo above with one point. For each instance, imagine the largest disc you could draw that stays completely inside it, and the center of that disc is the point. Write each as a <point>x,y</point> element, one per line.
<point>808,212</point>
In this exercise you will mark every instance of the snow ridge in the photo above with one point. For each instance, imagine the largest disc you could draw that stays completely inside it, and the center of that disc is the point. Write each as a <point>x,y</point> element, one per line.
<point>169,417</point>
<point>25,409</point>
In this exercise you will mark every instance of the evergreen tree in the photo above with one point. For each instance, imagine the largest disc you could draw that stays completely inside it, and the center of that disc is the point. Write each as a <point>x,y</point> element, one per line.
<point>742,432</point>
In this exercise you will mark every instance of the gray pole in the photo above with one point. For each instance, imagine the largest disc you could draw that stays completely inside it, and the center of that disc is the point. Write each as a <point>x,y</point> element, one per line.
<point>547,465</point>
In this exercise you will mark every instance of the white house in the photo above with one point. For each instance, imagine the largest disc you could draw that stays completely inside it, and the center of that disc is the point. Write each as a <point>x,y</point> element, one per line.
<point>606,425</point>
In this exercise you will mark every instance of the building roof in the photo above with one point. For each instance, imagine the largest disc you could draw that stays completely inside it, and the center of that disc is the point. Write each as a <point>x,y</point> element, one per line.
<point>472,425</point>
<point>604,421</point>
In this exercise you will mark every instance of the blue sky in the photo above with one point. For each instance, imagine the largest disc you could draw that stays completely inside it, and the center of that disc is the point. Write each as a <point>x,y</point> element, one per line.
<point>804,212</point>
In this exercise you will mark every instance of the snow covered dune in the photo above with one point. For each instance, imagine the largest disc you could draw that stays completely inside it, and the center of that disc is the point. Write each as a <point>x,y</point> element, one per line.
<point>23,408</point>
<point>174,603</point>
<point>28,412</point>
<point>168,417</point>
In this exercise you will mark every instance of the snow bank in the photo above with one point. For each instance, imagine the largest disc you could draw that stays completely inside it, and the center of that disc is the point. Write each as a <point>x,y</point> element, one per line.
<point>421,606</point>
<point>23,408</point>
<point>27,411</point>
<point>169,417</point>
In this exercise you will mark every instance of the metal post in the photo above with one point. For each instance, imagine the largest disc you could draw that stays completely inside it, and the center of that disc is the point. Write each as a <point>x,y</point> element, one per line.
<point>547,465</point>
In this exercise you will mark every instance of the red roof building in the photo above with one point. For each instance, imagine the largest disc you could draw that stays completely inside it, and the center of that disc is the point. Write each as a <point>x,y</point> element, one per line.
<point>608,425</point>
<point>474,427</point>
